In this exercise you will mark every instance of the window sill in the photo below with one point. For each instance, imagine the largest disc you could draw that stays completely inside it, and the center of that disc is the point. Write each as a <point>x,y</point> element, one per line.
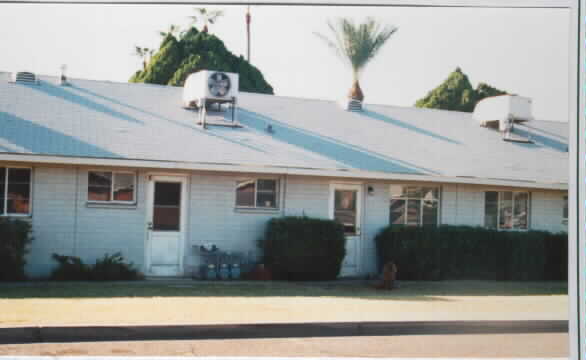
<point>510,230</point>
<point>256,210</point>
<point>110,205</point>
<point>17,216</point>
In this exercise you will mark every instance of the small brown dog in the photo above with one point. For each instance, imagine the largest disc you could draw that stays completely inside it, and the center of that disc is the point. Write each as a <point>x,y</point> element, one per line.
<point>389,276</point>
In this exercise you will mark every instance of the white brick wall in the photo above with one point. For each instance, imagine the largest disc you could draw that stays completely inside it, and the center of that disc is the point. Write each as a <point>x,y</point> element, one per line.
<point>376,217</point>
<point>464,205</point>
<point>96,232</point>
<point>309,196</point>
<point>213,217</point>
<point>547,211</point>
<point>112,228</point>
<point>53,217</point>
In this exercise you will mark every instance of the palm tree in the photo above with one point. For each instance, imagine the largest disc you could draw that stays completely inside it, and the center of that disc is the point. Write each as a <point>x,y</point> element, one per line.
<point>142,53</point>
<point>205,16</point>
<point>173,31</point>
<point>357,45</point>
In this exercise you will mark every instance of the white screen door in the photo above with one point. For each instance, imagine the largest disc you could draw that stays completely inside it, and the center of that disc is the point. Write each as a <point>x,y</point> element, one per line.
<point>345,208</point>
<point>166,225</point>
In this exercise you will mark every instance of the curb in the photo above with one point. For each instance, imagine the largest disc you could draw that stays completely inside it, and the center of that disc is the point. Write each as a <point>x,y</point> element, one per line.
<point>65,334</point>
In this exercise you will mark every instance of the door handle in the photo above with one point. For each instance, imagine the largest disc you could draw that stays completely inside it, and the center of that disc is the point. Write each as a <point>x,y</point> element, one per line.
<point>150,225</point>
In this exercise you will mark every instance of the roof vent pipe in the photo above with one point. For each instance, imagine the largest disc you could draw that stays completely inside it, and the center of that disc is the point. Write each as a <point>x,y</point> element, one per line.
<point>63,77</point>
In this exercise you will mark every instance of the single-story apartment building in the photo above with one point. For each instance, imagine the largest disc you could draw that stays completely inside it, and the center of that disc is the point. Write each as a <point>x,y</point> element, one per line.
<point>100,167</point>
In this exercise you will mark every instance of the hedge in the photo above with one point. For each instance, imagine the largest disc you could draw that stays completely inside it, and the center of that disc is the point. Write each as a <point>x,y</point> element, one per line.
<point>463,252</point>
<point>15,238</point>
<point>303,248</point>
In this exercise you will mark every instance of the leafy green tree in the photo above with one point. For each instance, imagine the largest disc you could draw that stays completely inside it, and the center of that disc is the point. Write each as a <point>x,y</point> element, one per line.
<point>357,45</point>
<point>163,64</point>
<point>484,90</point>
<point>456,93</point>
<point>178,58</point>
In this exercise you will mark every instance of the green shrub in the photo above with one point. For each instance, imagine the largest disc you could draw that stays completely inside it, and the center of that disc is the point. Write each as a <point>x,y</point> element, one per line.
<point>108,268</point>
<point>463,252</point>
<point>303,248</point>
<point>15,238</point>
<point>113,267</point>
<point>70,268</point>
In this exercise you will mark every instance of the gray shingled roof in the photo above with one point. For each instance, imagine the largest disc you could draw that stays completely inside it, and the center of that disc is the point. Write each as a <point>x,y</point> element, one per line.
<point>139,121</point>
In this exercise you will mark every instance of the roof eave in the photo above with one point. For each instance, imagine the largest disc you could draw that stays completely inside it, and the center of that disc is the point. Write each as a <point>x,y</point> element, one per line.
<point>267,169</point>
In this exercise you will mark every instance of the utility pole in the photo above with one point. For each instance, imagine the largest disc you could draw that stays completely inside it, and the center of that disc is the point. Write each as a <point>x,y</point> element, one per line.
<point>248,33</point>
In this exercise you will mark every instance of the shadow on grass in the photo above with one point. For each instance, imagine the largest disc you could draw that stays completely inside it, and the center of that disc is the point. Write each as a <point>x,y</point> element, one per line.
<point>407,291</point>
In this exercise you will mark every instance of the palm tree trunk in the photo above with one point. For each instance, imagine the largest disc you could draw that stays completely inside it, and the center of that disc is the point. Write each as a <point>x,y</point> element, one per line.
<point>248,34</point>
<point>355,91</point>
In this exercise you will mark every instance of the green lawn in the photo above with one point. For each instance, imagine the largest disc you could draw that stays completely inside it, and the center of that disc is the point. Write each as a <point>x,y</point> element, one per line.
<point>408,290</point>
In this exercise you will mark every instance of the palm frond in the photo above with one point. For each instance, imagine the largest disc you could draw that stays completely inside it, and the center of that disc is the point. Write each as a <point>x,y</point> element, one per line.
<point>214,15</point>
<point>357,44</point>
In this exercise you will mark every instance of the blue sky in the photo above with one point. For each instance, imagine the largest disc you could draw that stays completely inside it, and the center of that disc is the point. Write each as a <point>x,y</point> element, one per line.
<point>524,51</point>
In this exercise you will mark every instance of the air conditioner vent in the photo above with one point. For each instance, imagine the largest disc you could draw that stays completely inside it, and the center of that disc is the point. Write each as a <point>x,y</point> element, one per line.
<point>25,77</point>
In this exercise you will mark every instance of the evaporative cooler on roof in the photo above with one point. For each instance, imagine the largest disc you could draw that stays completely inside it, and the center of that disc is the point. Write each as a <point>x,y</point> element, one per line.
<point>503,112</point>
<point>206,88</point>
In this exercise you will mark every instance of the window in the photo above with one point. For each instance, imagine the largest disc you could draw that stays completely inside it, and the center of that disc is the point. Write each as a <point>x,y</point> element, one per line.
<point>15,191</point>
<point>167,206</point>
<point>345,210</point>
<point>506,210</point>
<point>414,205</point>
<point>257,193</point>
<point>107,186</point>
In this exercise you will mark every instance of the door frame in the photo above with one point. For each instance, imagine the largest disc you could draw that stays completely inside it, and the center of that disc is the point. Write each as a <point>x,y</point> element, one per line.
<point>359,210</point>
<point>150,188</point>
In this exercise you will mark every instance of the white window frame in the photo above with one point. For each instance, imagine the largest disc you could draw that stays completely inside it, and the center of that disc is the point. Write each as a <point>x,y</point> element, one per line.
<point>565,208</point>
<point>420,222</point>
<point>30,189</point>
<point>255,206</point>
<point>112,201</point>
<point>498,210</point>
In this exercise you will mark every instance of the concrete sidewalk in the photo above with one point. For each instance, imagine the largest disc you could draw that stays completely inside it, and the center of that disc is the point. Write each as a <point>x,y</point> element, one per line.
<point>519,346</point>
<point>68,334</point>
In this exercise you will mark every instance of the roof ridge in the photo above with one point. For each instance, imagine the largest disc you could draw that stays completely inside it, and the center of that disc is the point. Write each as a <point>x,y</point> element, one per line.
<point>246,93</point>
